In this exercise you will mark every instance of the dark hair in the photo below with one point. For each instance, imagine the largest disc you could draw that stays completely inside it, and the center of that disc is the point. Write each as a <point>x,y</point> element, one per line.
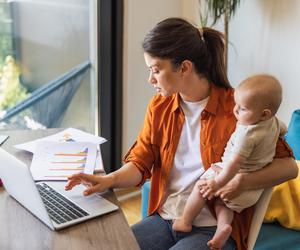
<point>178,40</point>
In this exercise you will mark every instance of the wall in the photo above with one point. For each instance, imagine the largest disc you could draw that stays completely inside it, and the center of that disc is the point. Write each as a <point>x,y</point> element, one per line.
<point>139,17</point>
<point>265,37</point>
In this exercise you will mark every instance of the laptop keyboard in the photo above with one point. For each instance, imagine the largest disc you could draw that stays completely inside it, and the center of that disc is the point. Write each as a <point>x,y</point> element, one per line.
<point>60,209</point>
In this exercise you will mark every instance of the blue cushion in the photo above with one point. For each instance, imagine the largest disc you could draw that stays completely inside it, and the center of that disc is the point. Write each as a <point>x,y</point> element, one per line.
<point>293,135</point>
<point>145,199</point>
<point>273,236</point>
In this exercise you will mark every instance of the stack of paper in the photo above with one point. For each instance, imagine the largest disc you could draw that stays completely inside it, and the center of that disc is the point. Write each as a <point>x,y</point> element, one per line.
<point>60,155</point>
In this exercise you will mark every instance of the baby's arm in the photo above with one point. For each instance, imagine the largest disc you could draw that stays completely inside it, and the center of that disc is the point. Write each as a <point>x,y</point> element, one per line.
<point>229,171</point>
<point>225,175</point>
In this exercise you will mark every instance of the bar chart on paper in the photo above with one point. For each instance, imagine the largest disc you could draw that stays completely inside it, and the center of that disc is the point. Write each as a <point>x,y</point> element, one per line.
<point>57,161</point>
<point>70,135</point>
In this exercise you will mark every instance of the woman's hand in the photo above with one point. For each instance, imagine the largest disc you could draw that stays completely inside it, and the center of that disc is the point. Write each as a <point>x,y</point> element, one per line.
<point>280,170</point>
<point>232,189</point>
<point>126,176</point>
<point>94,183</point>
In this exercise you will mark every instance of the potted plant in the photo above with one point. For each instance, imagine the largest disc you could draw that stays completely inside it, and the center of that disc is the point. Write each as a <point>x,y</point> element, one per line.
<point>218,9</point>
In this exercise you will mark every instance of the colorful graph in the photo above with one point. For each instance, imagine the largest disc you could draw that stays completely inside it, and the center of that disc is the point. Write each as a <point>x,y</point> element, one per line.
<point>56,161</point>
<point>82,153</point>
<point>83,160</point>
<point>80,168</point>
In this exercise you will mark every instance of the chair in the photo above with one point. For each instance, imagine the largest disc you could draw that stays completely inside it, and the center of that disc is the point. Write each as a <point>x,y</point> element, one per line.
<point>259,212</point>
<point>45,107</point>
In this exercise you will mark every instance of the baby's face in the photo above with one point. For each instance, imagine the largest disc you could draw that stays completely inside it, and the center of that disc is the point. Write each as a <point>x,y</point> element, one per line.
<point>247,110</point>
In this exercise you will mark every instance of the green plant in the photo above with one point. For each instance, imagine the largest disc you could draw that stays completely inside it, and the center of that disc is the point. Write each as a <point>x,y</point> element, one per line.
<point>11,91</point>
<point>218,9</point>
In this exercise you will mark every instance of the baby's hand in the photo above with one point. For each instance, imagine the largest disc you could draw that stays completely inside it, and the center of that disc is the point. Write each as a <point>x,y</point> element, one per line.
<point>213,185</point>
<point>207,188</point>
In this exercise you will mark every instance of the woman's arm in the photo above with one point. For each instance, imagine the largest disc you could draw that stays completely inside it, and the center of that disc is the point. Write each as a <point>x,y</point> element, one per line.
<point>280,170</point>
<point>126,176</point>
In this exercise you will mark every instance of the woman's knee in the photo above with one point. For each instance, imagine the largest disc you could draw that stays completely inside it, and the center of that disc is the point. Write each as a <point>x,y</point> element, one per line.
<point>154,233</point>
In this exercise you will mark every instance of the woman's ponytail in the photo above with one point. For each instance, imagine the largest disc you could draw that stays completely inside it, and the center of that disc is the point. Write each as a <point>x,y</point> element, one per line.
<point>216,49</point>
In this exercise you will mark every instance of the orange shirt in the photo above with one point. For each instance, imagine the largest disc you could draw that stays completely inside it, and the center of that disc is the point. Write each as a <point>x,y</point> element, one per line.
<point>154,150</point>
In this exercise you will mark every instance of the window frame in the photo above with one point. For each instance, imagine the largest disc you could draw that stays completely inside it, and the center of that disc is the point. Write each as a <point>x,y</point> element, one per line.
<point>110,80</point>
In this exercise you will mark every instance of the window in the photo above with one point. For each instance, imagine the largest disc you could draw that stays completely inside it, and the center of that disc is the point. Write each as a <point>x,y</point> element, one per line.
<point>52,45</point>
<point>47,53</point>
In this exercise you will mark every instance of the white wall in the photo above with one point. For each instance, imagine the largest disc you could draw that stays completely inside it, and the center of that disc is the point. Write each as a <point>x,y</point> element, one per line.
<point>139,17</point>
<point>265,37</point>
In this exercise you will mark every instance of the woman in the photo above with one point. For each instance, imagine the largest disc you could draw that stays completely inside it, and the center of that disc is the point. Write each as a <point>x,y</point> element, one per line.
<point>186,128</point>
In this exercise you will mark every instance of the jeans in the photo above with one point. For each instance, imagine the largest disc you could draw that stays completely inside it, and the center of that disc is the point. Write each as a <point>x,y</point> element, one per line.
<point>155,233</point>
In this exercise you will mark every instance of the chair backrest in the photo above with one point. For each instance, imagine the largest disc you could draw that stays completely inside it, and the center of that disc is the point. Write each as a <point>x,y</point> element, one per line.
<point>259,213</point>
<point>47,104</point>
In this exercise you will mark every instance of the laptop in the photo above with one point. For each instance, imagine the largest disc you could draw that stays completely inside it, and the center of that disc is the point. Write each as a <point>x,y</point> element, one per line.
<point>48,201</point>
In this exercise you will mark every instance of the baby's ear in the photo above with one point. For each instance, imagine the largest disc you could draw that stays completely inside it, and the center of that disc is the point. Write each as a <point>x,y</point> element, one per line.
<point>266,114</point>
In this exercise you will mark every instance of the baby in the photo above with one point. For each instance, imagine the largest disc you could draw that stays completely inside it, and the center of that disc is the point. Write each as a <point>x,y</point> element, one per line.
<point>251,147</point>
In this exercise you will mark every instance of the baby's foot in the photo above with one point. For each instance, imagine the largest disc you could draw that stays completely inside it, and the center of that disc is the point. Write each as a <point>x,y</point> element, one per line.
<point>181,226</point>
<point>221,236</point>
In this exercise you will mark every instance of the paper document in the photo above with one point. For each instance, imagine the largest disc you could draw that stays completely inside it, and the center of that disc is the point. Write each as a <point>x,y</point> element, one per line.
<point>58,160</point>
<point>68,135</point>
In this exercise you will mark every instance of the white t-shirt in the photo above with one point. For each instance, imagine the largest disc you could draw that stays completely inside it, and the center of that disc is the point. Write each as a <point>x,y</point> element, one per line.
<point>187,168</point>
